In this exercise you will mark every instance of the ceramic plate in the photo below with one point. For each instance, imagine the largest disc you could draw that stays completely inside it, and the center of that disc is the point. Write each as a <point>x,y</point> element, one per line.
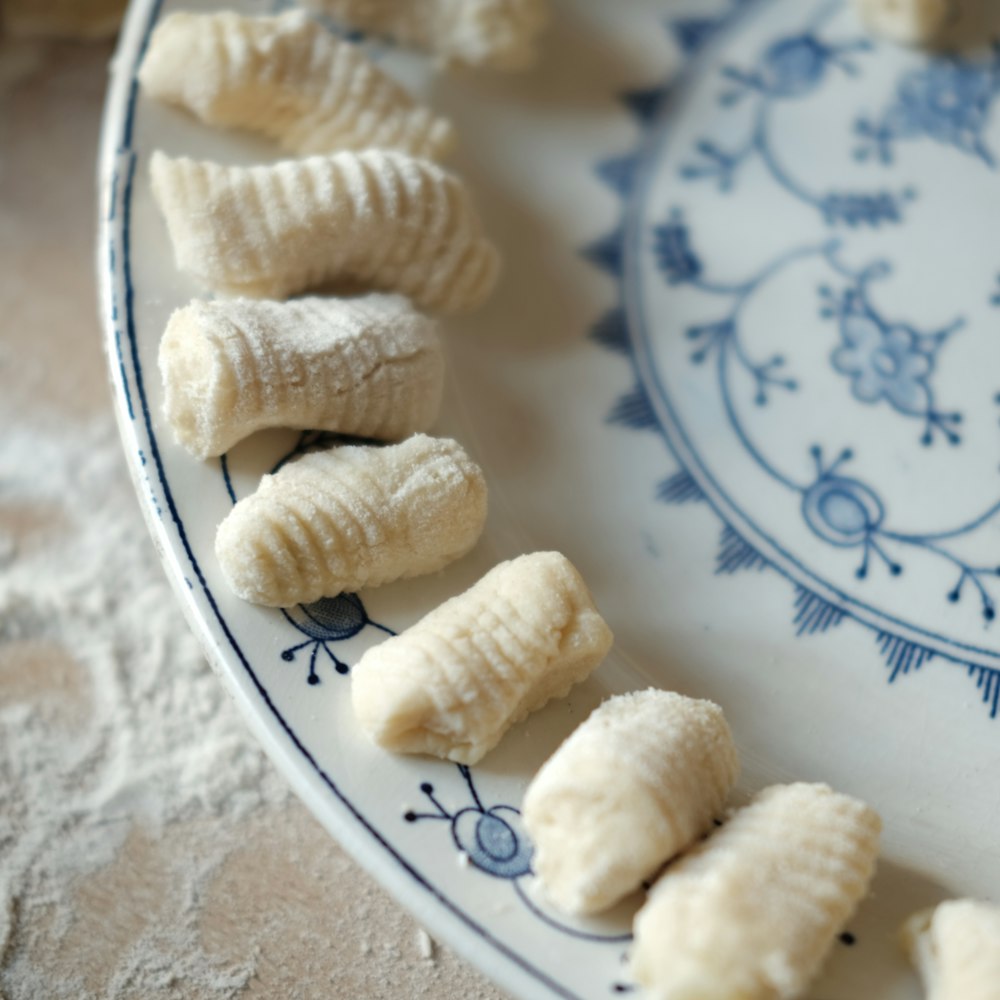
<point>742,368</point>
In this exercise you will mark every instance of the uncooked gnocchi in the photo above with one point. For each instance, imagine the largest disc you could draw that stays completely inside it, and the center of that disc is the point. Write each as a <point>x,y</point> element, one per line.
<point>956,949</point>
<point>379,219</point>
<point>752,911</point>
<point>289,78</point>
<point>352,517</point>
<point>457,680</point>
<point>912,22</point>
<point>500,34</point>
<point>634,785</point>
<point>371,367</point>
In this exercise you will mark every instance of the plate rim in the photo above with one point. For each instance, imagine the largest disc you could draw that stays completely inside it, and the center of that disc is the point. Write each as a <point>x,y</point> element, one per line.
<point>345,821</point>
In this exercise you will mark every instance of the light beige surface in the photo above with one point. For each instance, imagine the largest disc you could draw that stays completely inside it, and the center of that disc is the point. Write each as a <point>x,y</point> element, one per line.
<point>277,892</point>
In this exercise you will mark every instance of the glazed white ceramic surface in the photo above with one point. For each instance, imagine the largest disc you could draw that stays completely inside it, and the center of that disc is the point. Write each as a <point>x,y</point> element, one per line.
<point>742,368</point>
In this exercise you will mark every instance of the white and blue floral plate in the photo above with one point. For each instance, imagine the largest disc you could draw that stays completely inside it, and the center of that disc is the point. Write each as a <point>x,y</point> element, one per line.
<point>743,368</point>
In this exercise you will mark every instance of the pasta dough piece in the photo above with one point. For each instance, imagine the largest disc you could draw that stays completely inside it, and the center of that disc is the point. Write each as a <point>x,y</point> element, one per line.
<point>752,912</point>
<point>378,218</point>
<point>500,34</point>
<point>638,782</point>
<point>956,949</point>
<point>352,517</point>
<point>912,22</point>
<point>371,366</point>
<point>455,682</point>
<point>289,78</point>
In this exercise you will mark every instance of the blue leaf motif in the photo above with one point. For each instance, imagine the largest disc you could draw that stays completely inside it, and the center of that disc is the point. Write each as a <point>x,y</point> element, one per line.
<point>735,554</point>
<point>901,655</point>
<point>988,683</point>
<point>679,488</point>
<point>677,262</point>
<point>813,614</point>
<point>634,410</point>
<point>611,331</point>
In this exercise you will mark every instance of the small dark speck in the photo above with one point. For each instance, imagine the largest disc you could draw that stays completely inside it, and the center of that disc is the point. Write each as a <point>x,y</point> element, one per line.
<point>189,583</point>
<point>622,988</point>
<point>847,938</point>
<point>717,822</point>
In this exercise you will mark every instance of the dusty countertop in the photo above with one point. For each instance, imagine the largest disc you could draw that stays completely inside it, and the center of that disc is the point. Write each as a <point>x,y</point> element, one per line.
<point>147,849</point>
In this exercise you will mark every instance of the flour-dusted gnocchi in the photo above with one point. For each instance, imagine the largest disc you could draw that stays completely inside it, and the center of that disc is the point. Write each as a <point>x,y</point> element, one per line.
<point>956,949</point>
<point>370,366</point>
<point>752,911</point>
<point>379,219</point>
<point>637,783</point>
<point>500,34</point>
<point>289,78</point>
<point>456,681</point>
<point>352,517</point>
<point>912,22</point>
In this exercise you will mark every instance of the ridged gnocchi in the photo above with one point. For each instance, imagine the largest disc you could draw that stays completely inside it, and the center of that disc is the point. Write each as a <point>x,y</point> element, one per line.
<point>370,366</point>
<point>752,911</point>
<point>289,78</point>
<point>452,684</point>
<point>635,784</point>
<point>352,517</point>
<point>377,219</point>
<point>912,22</point>
<point>956,949</point>
<point>500,34</point>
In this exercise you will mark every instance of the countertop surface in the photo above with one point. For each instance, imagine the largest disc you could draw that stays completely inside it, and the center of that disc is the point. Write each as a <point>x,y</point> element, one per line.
<point>147,848</point>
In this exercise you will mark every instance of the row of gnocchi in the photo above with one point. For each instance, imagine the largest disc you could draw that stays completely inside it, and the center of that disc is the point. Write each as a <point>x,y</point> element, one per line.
<point>368,208</point>
<point>749,912</point>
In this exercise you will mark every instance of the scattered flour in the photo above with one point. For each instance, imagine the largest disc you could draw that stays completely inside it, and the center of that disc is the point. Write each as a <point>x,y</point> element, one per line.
<point>151,740</point>
<point>148,851</point>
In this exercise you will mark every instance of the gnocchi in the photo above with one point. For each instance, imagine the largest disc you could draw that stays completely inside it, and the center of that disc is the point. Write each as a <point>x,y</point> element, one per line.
<point>371,366</point>
<point>457,680</point>
<point>752,911</point>
<point>378,218</point>
<point>956,949</point>
<point>912,22</point>
<point>352,517</point>
<point>500,34</point>
<point>289,78</point>
<point>638,782</point>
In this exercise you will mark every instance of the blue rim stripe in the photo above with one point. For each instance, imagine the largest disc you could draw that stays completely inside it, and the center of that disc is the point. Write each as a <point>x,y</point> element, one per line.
<point>126,148</point>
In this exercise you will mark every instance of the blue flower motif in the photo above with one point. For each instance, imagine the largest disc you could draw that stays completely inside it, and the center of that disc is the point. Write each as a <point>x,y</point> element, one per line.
<point>948,101</point>
<point>889,360</point>
<point>330,619</point>
<point>884,364</point>
<point>493,839</point>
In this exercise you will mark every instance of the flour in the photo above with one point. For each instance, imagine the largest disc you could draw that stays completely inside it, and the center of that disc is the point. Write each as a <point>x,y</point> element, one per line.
<point>148,739</point>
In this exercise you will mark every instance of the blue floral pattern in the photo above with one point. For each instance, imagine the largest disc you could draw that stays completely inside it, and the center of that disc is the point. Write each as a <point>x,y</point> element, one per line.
<point>330,619</point>
<point>888,364</point>
<point>884,364</point>
<point>889,361</point>
<point>949,101</point>
<point>791,68</point>
<point>493,841</point>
